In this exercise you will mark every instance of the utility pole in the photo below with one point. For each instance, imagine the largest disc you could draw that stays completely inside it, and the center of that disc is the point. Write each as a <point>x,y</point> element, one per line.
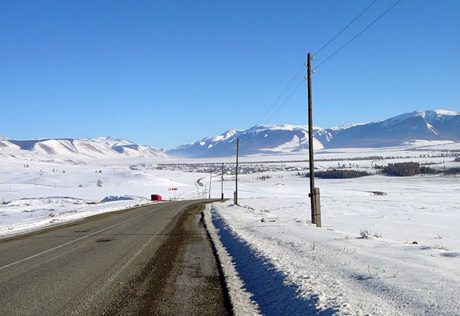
<point>235,194</point>
<point>314,192</point>
<point>210,181</point>
<point>222,185</point>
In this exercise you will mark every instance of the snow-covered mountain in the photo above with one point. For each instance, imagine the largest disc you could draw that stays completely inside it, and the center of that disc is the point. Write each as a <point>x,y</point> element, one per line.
<point>260,139</point>
<point>75,149</point>
<point>418,125</point>
<point>128,148</point>
<point>278,139</point>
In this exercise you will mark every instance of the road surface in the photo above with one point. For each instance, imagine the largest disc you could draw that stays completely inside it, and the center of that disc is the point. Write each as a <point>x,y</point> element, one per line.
<point>150,260</point>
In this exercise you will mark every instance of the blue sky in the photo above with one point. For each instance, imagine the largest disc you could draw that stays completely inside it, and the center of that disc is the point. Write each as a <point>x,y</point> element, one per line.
<point>164,73</point>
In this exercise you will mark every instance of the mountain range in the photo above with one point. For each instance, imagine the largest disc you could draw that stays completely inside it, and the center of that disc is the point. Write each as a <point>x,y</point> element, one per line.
<point>258,140</point>
<point>75,149</point>
<point>278,139</point>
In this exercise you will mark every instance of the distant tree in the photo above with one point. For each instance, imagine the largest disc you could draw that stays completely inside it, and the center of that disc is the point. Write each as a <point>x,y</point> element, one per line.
<point>402,169</point>
<point>454,170</point>
<point>336,174</point>
<point>428,170</point>
<point>341,174</point>
<point>263,178</point>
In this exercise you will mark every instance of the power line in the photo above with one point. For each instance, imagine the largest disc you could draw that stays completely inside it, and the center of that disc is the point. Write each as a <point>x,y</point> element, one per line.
<point>346,26</point>
<point>357,35</point>
<point>289,85</point>
<point>285,100</point>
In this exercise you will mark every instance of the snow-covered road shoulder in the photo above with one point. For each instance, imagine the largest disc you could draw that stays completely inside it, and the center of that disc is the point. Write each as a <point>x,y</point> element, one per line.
<point>240,299</point>
<point>291,267</point>
<point>30,214</point>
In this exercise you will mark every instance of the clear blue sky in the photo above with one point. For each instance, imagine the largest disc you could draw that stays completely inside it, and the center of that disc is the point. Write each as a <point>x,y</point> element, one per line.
<point>164,73</point>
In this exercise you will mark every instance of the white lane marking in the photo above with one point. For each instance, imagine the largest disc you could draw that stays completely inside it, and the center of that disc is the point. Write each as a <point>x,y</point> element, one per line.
<point>78,239</point>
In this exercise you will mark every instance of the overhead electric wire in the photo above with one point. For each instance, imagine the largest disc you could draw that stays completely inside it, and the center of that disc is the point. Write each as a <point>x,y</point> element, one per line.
<point>281,94</point>
<point>285,100</point>
<point>290,84</point>
<point>357,35</point>
<point>346,26</point>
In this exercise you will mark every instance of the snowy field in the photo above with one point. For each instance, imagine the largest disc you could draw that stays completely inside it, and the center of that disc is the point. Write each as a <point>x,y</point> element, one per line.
<point>388,246</point>
<point>39,194</point>
<point>407,263</point>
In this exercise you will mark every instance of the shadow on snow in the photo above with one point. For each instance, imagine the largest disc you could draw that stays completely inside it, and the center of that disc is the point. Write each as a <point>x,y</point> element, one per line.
<point>269,287</point>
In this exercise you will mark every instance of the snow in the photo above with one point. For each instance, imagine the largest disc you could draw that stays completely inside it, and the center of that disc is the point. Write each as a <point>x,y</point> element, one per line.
<point>75,150</point>
<point>274,260</point>
<point>333,268</point>
<point>224,136</point>
<point>112,198</point>
<point>428,115</point>
<point>24,215</point>
<point>260,139</point>
<point>397,119</point>
<point>112,141</point>
<point>239,297</point>
<point>294,145</point>
<point>279,127</point>
<point>280,139</point>
<point>431,115</point>
<point>37,194</point>
<point>408,265</point>
<point>347,126</point>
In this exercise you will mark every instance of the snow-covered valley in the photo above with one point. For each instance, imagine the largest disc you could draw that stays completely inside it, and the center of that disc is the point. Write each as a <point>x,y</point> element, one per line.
<point>388,245</point>
<point>392,254</point>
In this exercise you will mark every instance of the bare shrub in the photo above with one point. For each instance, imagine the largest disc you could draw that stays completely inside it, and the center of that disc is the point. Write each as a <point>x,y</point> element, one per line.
<point>365,234</point>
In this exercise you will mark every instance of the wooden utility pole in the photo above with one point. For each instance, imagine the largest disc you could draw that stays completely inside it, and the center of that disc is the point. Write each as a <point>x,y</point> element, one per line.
<point>314,192</point>
<point>210,181</point>
<point>235,195</point>
<point>222,184</point>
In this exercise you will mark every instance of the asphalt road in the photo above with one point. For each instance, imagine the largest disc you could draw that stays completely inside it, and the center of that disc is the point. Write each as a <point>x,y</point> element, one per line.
<point>90,267</point>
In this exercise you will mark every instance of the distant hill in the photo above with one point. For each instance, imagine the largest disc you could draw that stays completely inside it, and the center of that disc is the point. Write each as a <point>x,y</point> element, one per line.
<point>258,140</point>
<point>279,139</point>
<point>75,149</point>
<point>418,125</point>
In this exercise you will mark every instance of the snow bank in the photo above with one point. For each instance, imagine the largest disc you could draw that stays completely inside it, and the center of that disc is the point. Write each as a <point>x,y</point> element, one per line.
<point>266,285</point>
<point>240,299</point>
<point>292,267</point>
<point>25,215</point>
<point>113,198</point>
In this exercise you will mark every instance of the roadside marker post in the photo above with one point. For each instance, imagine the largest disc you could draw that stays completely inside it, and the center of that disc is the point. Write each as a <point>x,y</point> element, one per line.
<point>174,191</point>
